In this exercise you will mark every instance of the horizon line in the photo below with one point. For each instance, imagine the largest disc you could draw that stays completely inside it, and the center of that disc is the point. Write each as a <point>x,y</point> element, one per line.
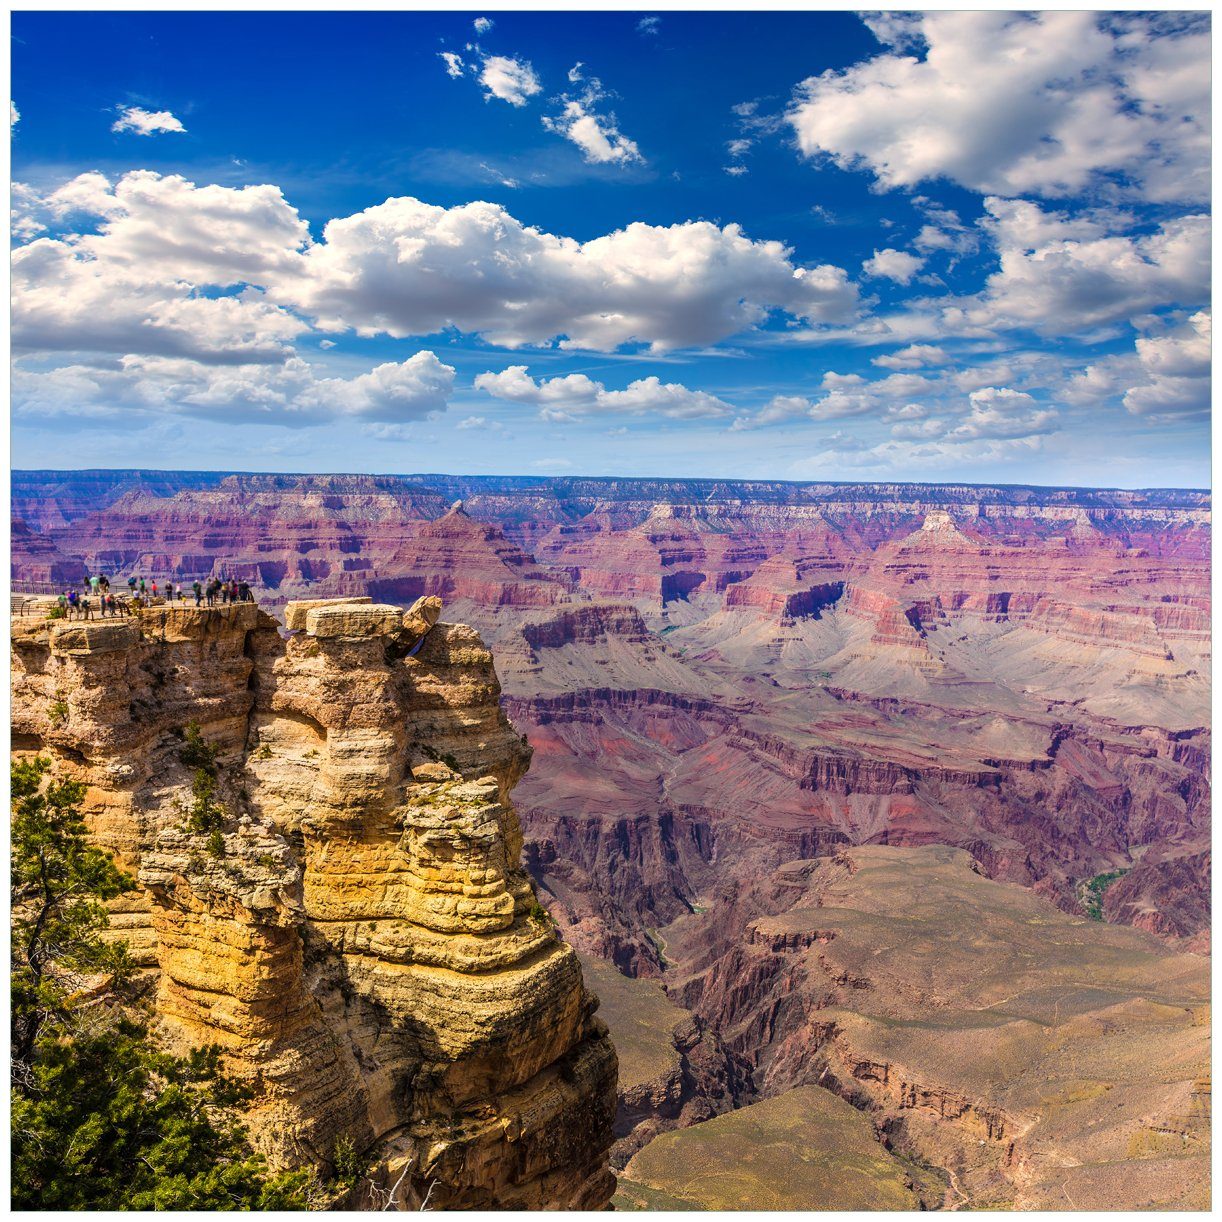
<point>654,479</point>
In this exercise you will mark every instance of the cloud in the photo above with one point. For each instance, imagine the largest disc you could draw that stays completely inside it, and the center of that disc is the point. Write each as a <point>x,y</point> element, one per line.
<point>14,115</point>
<point>1177,368</point>
<point>573,396</point>
<point>922,459</point>
<point>777,410</point>
<point>1051,103</point>
<point>293,393</point>
<point>1062,275</point>
<point>231,275</point>
<point>1000,413</point>
<point>406,268</point>
<point>482,24</point>
<point>889,264</point>
<point>913,357</point>
<point>455,65</point>
<point>511,79</point>
<point>597,135</point>
<point>146,122</point>
<point>648,25</point>
<point>173,269</point>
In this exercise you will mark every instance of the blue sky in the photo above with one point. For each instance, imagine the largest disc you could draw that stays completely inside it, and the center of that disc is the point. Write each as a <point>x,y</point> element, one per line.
<point>911,246</point>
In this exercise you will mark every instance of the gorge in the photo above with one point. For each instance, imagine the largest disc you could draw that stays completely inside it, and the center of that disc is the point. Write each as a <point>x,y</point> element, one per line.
<point>789,743</point>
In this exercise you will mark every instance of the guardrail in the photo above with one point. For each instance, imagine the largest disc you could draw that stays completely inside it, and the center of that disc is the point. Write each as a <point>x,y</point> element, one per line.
<point>18,586</point>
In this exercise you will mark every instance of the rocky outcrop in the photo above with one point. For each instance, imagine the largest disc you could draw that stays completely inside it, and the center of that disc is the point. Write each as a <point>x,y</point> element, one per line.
<point>331,885</point>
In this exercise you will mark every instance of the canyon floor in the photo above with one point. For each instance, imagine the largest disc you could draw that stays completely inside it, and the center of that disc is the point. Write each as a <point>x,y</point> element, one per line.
<point>879,814</point>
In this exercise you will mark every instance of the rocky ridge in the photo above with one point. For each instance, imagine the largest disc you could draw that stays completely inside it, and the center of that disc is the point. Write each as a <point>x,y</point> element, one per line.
<point>343,908</point>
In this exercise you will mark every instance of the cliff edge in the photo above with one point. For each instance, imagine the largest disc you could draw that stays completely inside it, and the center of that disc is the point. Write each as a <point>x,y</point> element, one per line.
<point>331,886</point>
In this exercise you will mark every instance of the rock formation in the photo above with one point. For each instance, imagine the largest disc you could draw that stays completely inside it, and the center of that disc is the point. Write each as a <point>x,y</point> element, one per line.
<point>331,885</point>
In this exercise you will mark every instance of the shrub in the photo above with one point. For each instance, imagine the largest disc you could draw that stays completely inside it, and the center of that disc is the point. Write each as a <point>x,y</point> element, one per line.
<point>57,712</point>
<point>206,814</point>
<point>348,1164</point>
<point>197,752</point>
<point>101,1118</point>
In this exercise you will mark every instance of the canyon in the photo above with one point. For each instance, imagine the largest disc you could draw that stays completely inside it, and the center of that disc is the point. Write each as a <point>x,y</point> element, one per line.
<point>779,733</point>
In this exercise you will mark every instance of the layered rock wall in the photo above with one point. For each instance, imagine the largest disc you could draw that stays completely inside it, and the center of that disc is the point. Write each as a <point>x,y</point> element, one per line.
<point>347,914</point>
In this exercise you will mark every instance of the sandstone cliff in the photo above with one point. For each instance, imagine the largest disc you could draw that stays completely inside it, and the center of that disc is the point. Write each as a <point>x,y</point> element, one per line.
<point>341,904</point>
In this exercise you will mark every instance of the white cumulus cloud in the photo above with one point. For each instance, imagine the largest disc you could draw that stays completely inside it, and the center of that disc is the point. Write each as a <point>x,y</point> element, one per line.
<point>137,284</point>
<point>1177,368</point>
<point>889,264</point>
<point>914,356</point>
<point>598,137</point>
<point>1061,275</point>
<point>575,395</point>
<point>146,122</point>
<point>408,268</point>
<point>293,393</point>
<point>1001,413</point>
<point>511,79</point>
<point>158,265</point>
<point>597,134</point>
<point>1048,103</point>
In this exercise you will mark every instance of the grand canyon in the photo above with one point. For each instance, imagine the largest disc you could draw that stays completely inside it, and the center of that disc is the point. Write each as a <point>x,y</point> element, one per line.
<point>877,814</point>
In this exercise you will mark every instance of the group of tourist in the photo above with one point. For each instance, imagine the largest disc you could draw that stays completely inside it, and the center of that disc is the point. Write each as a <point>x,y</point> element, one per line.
<point>76,604</point>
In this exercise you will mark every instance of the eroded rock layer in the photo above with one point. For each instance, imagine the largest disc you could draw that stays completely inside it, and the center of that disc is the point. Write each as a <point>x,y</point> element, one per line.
<point>340,901</point>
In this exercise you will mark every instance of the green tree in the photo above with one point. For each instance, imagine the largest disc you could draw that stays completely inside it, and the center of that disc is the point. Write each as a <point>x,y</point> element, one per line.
<point>101,1118</point>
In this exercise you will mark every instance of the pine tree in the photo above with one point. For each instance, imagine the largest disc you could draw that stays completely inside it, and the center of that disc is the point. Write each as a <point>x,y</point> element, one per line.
<point>102,1118</point>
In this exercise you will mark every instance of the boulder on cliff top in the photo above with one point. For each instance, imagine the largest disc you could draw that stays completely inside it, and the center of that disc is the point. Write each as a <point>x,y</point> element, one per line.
<point>297,609</point>
<point>355,620</point>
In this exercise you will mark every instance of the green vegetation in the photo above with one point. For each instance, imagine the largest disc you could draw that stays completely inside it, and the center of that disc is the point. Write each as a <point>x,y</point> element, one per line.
<point>642,1020</point>
<point>348,1164</point>
<point>57,613</point>
<point>538,913</point>
<point>264,752</point>
<point>197,752</point>
<point>101,1118</point>
<point>206,816</point>
<point>656,942</point>
<point>631,1197</point>
<point>1092,893</point>
<point>805,1149</point>
<point>57,712</point>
